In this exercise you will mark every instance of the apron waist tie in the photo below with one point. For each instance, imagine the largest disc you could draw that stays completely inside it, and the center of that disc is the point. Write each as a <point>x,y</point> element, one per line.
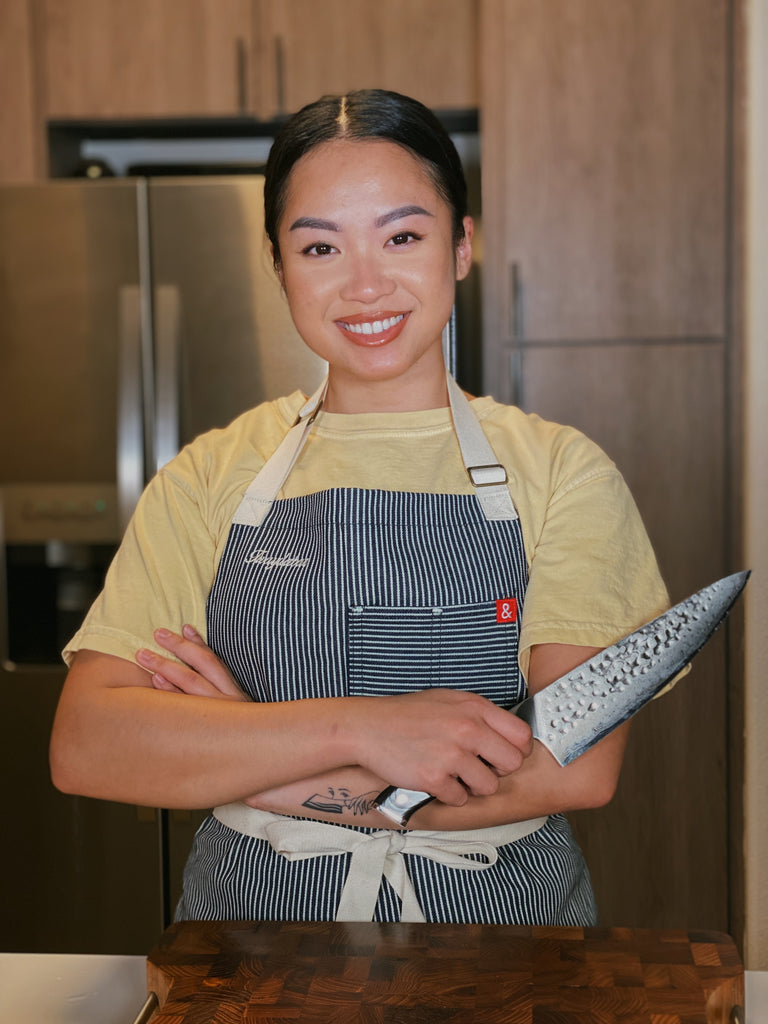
<point>374,854</point>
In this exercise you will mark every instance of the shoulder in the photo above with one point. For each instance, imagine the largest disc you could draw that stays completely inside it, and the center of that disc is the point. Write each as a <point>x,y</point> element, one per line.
<point>546,459</point>
<point>239,449</point>
<point>203,484</point>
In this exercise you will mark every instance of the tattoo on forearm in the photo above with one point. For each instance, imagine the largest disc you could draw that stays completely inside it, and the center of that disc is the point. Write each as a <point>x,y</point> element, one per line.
<point>339,800</point>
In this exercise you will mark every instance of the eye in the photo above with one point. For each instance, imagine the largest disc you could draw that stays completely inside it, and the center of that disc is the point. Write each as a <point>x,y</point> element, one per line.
<point>404,237</point>
<point>318,249</point>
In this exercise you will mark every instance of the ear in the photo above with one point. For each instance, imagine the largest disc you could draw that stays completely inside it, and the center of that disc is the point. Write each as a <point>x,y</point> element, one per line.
<point>464,250</point>
<point>277,265</point>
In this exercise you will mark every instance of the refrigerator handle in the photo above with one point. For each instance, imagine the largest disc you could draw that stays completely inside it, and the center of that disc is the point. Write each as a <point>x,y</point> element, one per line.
<point>450,343</point>
<point>5,657</point>
<point>167,307</point>
<point>130,426</point>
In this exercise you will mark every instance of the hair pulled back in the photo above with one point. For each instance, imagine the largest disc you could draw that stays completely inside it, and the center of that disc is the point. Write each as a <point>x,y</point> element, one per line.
<point>360,115</point>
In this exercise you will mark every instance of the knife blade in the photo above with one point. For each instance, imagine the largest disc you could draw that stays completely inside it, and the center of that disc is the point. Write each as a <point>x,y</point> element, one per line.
<point>586,704</point>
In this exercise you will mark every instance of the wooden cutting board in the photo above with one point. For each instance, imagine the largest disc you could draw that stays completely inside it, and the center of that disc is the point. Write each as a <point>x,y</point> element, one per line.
<point>232,972</point>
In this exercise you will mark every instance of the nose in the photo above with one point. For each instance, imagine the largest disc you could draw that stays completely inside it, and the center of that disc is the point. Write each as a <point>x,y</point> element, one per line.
<point>366,279</point>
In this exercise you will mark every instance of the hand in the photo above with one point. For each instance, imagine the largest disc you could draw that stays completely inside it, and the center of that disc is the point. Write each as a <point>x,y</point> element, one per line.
<point>445,742</point>
<point>199,671</point>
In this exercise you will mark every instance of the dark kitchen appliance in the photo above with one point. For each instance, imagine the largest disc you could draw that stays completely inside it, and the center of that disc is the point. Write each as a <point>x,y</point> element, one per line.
<point>134,314</point>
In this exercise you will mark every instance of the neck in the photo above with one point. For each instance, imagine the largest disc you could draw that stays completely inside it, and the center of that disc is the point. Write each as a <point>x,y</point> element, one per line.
<point>385,396</point>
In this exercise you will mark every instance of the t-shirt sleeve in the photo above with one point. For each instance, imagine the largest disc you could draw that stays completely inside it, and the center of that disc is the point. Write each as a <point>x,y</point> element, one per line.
<point>593,573</point>
<point>160,576</point>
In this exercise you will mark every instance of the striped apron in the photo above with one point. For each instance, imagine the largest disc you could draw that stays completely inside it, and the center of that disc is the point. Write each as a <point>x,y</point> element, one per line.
<point>350,592</point>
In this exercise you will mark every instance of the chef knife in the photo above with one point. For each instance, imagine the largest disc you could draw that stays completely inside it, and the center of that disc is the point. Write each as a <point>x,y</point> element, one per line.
<point>577,710</point>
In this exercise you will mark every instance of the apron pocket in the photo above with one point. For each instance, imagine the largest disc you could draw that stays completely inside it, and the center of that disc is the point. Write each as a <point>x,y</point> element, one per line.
<point>396,650</point>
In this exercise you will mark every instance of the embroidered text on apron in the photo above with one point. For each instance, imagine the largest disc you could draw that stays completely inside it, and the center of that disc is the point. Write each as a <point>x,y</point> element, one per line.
<point>368,592</point>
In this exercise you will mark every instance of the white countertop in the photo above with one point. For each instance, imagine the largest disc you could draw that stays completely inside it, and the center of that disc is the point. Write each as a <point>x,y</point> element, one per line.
<point>71,988</point>
<point>60,988</point>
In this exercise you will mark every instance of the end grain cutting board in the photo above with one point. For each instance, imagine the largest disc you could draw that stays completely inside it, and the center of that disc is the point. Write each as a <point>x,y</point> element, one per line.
<point>334,973</point>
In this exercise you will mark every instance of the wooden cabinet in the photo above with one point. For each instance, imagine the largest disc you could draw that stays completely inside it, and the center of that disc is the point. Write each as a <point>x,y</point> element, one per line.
<point>169,58</point>
<point>20,139</point>
<point>659,852</point>
<point>194,58</point>
<point>607,282</point>
<point>426,49</point>
<point>604,161</point>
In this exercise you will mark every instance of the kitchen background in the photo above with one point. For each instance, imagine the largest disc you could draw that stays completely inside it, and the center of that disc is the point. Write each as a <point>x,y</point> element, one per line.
<point>619,275</point>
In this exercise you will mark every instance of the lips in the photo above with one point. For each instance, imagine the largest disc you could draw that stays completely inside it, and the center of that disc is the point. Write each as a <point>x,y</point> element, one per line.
<point>372,329</point>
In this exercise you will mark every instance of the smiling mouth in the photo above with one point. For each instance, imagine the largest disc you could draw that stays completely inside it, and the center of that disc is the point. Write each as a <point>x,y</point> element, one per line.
<point>370,327</point>
<point>373,332</point>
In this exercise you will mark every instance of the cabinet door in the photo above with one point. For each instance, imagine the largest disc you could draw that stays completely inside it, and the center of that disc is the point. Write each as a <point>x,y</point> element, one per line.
<point>18,135</point>
<point>604,164</point>
<point>148,57</point>
<point>425,49</point>
<point>659,852</point>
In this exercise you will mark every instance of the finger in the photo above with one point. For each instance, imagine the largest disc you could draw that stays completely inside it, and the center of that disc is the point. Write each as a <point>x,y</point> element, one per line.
<point>452,792</point>
<point>511,728</point>
<point>498,756</point>
<point>181,676</point>
<point>190,633</point>
<point>193,651</point>
<point>161,683</point>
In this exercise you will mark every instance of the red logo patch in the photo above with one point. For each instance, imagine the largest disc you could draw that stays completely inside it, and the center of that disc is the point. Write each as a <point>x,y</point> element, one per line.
<point>506,610</point>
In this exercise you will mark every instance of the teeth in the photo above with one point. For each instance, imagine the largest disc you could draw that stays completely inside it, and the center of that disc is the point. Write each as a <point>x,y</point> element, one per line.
<point>373,328</point>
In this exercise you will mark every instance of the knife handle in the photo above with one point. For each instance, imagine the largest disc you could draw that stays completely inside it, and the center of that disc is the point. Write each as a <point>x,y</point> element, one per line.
<point>399,804</point>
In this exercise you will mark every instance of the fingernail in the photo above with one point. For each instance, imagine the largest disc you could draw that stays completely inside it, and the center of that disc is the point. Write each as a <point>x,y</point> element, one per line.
<point>143,655</point>
<point>165,633</point>
<point>190,631</point>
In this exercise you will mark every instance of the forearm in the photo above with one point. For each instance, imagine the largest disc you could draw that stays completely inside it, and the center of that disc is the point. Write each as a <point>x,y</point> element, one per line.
<point>118,738</point>
<point>343,797</point>
<point>539,787</point>
<point>135,744</point>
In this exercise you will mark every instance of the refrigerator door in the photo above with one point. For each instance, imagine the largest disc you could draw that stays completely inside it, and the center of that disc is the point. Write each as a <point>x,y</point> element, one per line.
<point>224,339</point>
<point>78,875</point>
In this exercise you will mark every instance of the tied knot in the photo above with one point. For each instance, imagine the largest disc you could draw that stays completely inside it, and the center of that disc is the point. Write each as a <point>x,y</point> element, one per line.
<point>374,855</point>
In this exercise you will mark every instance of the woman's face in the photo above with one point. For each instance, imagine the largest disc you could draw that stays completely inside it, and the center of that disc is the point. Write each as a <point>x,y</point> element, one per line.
<point>369,267</point>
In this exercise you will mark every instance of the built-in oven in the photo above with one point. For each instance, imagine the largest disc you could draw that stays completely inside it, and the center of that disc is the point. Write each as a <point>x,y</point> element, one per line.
<point>57,543</point>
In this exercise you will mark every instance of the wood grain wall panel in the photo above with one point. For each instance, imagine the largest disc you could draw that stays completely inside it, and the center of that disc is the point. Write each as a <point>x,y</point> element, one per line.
<point>20,141</point>
<point>426,49</point>
<point>659,852</point>
<point>605,144</point>
<point>149,57</point>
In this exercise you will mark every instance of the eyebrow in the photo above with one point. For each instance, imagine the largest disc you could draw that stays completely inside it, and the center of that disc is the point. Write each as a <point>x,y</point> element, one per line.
<point>317,224</point>
<point>399,213</point>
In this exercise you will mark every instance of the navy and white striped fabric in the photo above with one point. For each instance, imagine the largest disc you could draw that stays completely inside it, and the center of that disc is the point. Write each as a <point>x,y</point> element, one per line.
<point>352,592</point>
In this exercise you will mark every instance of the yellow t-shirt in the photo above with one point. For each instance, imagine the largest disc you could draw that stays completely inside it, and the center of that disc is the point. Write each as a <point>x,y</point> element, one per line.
<point>593,575</point>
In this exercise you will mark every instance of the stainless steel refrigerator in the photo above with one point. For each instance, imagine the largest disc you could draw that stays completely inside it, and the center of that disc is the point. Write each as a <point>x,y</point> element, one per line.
<point>134,314</point>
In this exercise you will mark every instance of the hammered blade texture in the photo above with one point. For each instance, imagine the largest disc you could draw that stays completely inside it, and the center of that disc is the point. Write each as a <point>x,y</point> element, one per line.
<point>576,711</point>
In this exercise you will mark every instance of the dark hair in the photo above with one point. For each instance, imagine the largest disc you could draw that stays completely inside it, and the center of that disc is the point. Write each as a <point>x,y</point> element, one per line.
<point>365,114</point>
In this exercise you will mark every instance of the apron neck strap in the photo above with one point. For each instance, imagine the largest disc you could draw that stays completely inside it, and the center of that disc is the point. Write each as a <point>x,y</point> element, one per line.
<point>488,477</point>
<point>486,474</point>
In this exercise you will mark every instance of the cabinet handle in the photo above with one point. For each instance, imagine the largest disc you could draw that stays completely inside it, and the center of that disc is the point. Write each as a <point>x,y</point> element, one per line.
<point>167,308</point>
<point>241,75</point>
<point>516,377</point>
<point>130,427</point>
<point>280,74</point>
<point>516,311</point>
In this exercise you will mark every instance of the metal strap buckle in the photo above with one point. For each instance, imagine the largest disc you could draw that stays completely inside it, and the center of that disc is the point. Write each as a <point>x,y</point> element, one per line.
<point>487,476</point>
<point>310,419</point>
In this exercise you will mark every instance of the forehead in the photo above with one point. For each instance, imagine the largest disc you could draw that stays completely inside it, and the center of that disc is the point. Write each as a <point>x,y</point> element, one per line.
<point>347,172</point>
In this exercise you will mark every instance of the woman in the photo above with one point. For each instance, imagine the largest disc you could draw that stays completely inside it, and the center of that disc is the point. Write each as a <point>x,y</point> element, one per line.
<point>372,592</point>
